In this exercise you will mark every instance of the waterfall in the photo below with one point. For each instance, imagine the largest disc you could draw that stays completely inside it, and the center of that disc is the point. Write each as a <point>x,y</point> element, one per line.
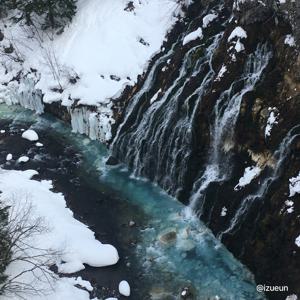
<point>280,156</point>
<point>156,137</point>
<point>226,112</point>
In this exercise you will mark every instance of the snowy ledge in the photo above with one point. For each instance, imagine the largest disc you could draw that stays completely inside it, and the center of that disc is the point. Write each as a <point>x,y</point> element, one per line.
<point>75,245</point>
<point>103,50</point>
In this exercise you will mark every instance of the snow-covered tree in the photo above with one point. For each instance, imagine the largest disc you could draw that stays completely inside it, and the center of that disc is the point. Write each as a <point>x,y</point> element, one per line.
<point>49,14</point>
<point>5,252</point>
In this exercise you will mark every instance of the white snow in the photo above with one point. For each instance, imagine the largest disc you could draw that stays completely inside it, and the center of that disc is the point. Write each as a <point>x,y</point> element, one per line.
<point>297,241</point>
<point>23,159</point>
<point>224,212</point>
<point>249,174</point>
<point>75,244</point>
<point>124,288</point>
<point>39,144</point>
<point>239,46</point>
<point>208,19</point>
<point>272,120</point>
<point>30,135</point>
<point>83,283</point>
<point>238,32</point>
<point>197,34</point>
<point>289,203</point>
<point>290,40</point>
<point>9,157</point>
<point>294,185</point>
<point>103,40</point>
<point>104,49</point>
<point>76,241</point>
<point>111,299</point>
<point>2,131</point>
<point>221,73</point>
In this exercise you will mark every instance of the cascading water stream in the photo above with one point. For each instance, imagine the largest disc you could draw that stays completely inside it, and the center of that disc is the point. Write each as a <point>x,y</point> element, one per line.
<point>155,139</point>
<point>225,115</point>
<point>280,156</point>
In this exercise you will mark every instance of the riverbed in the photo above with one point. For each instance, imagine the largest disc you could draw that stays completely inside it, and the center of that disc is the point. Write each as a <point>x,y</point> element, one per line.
<point>161,250</point>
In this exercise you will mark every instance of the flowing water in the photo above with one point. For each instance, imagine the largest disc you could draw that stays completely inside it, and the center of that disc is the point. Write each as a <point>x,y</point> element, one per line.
<point>156,137</point>
<point>280,157</point>
<point>225,115</point>
<point>168,252</point>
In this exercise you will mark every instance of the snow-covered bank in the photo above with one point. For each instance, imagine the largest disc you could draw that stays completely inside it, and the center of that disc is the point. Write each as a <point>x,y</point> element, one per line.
<point>107,45</point>
<point>73,243</point>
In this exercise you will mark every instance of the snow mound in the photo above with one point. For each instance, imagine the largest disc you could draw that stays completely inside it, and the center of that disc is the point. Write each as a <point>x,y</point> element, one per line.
<point>105,48</point>
<point>76,241</point>
<point>238,32</point>
<point>197,34</point>
<point>124,288</point>
<point>208,19</point>
<point>9,157</point>
<point>30,135</point>
<point>23,159</point>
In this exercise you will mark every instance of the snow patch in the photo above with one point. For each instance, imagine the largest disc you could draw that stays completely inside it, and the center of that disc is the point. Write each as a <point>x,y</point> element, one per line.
<point>30,135</point>
<point>208,19</point>
<point>238,32</point>
<point>239,46</point>
<point>9,157</point>
<point>290,40</point>
<point>272,120</point>
<point>197,34</point>
<point>221,73</point>
<point>294,185</point>
<point>23,159</point>
<point>76,242</point>
<point>224,212</point>
<point>249,174</point>
<point>92,50</point>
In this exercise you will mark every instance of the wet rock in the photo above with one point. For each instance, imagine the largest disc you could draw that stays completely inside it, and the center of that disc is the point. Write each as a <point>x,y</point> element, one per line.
<point>9,50</point>
<point>168,236</point>
<point>112,161</point>
<point>130,6</point>
<point>263,159</point>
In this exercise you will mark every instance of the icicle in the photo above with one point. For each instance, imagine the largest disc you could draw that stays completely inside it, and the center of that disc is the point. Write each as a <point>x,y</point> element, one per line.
<point>23,93</point>
<point>96,125</point>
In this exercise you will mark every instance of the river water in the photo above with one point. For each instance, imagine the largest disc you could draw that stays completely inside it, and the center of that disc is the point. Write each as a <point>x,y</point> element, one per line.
<point>162,253</point>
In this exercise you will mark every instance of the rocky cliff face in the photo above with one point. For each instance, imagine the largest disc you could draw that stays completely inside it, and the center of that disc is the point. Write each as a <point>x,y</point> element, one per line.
<point>210,112</point>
